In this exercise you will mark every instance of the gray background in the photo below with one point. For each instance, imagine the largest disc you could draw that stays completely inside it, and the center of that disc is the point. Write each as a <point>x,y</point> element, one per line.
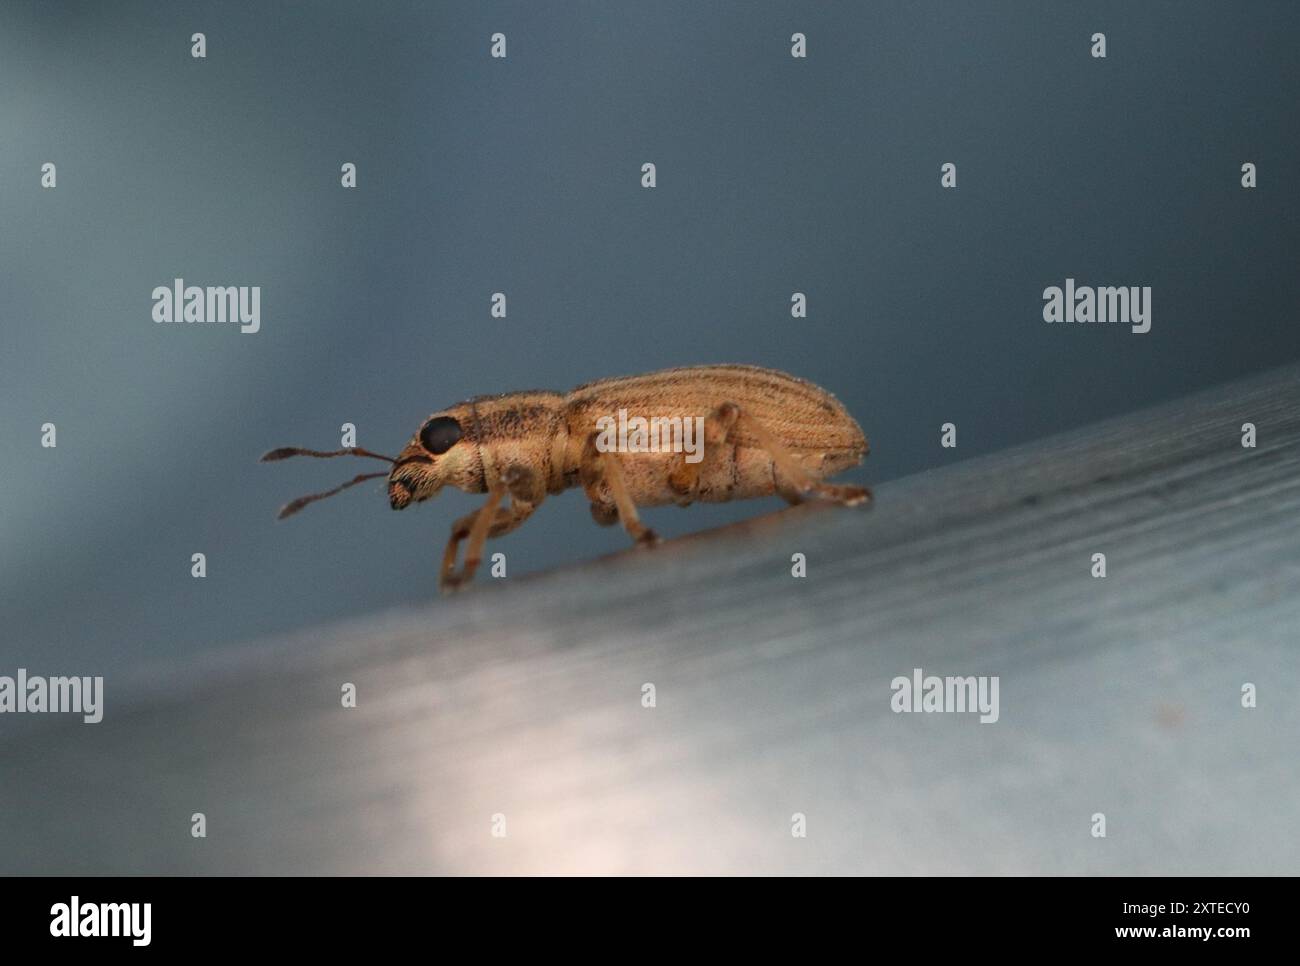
<point>522,176</point>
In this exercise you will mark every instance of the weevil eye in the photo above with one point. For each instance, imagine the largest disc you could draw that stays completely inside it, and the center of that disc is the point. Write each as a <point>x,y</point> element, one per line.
<point>440,434</point>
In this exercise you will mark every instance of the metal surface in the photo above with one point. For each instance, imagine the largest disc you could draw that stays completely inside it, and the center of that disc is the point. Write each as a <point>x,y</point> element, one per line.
<point>1119,695</point>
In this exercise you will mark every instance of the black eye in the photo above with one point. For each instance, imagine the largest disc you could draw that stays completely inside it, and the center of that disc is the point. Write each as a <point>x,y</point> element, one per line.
<point>440,434</point>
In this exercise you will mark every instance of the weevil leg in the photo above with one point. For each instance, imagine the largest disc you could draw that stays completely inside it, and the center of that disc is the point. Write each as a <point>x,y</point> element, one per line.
<point>605,514</point>
<point>459,531</point>
<point>799,481</point>
<point>474,527</point>
<point>488,521</point>
<point>598,466</point>
<point>684,477</point>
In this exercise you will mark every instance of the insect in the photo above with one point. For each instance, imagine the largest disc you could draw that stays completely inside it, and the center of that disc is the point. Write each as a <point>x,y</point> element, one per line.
<point>762,432</point>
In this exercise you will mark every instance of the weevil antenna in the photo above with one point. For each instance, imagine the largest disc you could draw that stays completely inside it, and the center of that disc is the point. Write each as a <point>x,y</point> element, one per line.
<point>292,507</point>
<point>284,452</point>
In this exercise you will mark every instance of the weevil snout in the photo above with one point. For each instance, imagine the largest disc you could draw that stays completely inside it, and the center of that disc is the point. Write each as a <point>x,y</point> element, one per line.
<point>413,478</point>
<point>400,491</point>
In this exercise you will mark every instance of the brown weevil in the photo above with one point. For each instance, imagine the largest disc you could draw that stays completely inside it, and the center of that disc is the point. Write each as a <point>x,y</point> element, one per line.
<point>703,433</point>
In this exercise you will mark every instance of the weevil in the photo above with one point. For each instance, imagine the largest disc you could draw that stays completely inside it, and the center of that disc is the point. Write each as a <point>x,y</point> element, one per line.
<point>764,432</point>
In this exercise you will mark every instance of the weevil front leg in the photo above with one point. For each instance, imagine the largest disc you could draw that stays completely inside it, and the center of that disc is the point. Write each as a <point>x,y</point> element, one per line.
<point>475,526</point>
<point>597,467</point>
<point>523,486</point>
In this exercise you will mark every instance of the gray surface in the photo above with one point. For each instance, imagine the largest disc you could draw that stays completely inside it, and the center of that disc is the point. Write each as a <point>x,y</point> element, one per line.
<point>1118,696</point>
<point>479,176</point>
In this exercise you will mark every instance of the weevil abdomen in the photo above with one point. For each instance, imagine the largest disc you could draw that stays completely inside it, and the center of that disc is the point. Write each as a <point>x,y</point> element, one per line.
<point>808,421</point>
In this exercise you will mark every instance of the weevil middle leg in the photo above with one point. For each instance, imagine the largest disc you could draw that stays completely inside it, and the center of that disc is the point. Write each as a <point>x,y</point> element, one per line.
<point>603,467</point>
<point>684,477</point>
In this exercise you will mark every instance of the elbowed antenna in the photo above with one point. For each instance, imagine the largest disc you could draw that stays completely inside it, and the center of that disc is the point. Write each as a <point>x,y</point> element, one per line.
<point>284,452</point>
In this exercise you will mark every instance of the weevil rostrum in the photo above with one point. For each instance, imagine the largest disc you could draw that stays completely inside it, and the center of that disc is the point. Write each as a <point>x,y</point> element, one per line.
<point>763,432</point>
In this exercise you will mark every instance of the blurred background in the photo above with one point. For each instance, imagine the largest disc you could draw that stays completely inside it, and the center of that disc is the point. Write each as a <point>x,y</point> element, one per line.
<point>522,176</point>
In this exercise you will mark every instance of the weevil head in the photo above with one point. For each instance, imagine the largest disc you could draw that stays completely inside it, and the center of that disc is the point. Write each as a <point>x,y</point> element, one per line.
<point>443,451</point>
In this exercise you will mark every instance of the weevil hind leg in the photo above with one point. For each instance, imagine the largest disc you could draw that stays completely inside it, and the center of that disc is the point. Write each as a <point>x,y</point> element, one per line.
<point>795,484</point>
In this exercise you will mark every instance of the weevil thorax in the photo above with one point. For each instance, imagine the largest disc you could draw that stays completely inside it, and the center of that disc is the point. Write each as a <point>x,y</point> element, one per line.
<point>464,444</point>
<point>443,452</point>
